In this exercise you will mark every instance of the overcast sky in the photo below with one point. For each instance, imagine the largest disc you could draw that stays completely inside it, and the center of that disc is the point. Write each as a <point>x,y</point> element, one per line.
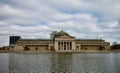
<point>84,19</point>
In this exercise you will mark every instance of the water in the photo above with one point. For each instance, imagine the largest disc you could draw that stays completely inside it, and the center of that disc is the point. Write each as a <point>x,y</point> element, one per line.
<point>4,61</point>
<point>60,62</point>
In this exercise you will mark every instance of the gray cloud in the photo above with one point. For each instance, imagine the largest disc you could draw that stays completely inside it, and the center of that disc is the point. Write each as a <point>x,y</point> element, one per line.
<point>80,18</point>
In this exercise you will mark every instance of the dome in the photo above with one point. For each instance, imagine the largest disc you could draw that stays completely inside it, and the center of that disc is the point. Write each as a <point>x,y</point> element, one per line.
<point>62,33</point>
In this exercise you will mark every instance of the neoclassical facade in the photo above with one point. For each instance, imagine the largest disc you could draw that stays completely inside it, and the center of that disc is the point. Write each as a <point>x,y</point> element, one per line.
<point>60,42</point>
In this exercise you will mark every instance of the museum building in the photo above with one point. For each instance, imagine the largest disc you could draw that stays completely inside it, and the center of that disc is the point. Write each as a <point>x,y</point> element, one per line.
<point>59,42</point>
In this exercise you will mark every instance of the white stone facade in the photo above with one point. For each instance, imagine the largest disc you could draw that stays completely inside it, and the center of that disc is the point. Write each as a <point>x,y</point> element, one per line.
<point>60,42</point>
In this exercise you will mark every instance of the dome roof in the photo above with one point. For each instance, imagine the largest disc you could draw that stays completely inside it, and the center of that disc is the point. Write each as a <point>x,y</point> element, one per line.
<point>62,33</point>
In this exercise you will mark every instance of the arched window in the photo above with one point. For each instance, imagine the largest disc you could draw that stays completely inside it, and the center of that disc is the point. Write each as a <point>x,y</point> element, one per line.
<point>26,48</point>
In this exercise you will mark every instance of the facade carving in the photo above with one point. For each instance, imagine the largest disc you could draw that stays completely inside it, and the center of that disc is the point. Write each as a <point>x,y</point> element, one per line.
<point>60,42</point>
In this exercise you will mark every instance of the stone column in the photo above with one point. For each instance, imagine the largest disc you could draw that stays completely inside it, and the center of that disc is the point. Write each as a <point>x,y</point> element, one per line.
<point>79,47</point>
<point>73,45</point>
<point>56,46</point>
<point>60,45</point>
<point>69,44</point>
<point>63,46</point>
<point>66,45</point>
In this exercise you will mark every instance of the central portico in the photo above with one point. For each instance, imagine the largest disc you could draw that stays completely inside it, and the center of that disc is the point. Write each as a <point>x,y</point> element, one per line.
<point>63,41</point>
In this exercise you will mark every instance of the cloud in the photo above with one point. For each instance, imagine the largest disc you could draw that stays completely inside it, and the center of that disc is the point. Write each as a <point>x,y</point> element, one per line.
<point>80,18</point>
<point>2,24</point>
<point>112,24</point>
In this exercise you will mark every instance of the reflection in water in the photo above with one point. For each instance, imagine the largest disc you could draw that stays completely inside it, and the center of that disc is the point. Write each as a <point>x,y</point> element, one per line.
<point>4,63</point>
<point>60,62</point>
<point>95,63</point>
<point>22,63</point>
<point>89,63</point>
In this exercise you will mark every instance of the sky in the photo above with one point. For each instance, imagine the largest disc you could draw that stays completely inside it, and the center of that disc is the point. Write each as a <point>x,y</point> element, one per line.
<point>84,19</point>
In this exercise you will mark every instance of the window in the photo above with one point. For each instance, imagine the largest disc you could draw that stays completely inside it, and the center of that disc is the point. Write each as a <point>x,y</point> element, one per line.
<point>59,45</point>
<point>36,48</point>
<point>77,47</point>
<point>26,48</point>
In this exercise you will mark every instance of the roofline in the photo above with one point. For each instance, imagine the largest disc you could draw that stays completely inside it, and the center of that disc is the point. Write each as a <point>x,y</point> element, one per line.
<point>36,39</point>
<point>51,39</point>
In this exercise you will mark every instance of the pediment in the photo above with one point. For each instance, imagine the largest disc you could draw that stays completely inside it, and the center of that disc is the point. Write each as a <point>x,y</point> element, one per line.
<point>65,37</point>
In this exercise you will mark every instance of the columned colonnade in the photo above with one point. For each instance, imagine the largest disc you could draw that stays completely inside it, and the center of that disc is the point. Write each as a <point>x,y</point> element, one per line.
<point>64,45</point>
